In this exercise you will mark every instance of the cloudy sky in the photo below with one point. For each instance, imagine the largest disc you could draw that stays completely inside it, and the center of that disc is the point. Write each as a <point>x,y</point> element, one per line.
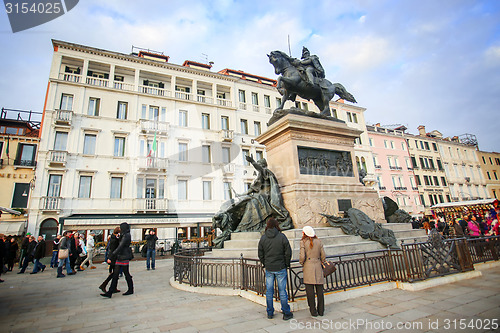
<point>425,62</point>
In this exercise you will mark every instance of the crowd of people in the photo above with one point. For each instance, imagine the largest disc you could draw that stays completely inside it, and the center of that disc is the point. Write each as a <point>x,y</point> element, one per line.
<point>467,224</point>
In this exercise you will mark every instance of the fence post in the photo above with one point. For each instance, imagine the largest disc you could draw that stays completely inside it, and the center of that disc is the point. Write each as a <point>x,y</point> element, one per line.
<point>242,268</point>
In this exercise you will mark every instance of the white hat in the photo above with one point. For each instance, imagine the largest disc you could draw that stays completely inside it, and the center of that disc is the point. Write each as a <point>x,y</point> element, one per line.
<point>309,231</point>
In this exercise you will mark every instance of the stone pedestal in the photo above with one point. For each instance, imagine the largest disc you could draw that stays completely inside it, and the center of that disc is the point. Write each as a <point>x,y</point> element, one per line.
<point>314,162</point>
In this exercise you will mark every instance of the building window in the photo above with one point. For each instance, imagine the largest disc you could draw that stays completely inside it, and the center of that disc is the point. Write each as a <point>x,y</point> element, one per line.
<point>226,155</point>
<point>205,154</point>
<point>370,140</point>
<point>257,128</point>
<point>443,181</point>
<point>182,189</point>
<point>89,144</point>
<point>54,189</point>
<point>436,181</point>
<point>392,145</point>
<point>426,145</point>
<point>278,101</point>
<point>385,144</point>
<point>434,146</point>
<point>116,187</point>
<point>495,174</point>
<point>227,191</point>
<point>255,99</point>
<point>66,102</point>
<point>488,174</point>
<point>224,122</point>
<point>244,126</point>
<point>21,195</point>
<point>259,154</point>
<point>207,190</point>
<point>25,155</point>
<point>417,177</point>
<point>403,146</point>
<point>119,150</point>
<point>267,101</point>
<point>183,118</point>
<point>121,112</point>
<point>245,153</point>
<point>205,121</point>
<point>94,104</point>
<point>60,141</point>
<point>84,188</point>
<point>349,118</point>
<point>241,96</point>
<point>355,118</point>
<point>182,151</point>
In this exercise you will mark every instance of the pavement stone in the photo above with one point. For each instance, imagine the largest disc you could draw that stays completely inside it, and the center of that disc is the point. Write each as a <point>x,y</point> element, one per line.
<point>43,303</point>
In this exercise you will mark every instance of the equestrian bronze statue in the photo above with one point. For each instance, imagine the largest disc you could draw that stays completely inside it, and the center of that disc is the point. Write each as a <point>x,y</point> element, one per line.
<point>305,78</point>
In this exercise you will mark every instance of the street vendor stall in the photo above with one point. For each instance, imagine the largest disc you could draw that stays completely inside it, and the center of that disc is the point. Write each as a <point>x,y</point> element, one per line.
<point>454,210</point>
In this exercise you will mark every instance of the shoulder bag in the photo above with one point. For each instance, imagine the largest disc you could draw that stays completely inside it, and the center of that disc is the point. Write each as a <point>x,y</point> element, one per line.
<point>328,268</point>
<point>63,254</point>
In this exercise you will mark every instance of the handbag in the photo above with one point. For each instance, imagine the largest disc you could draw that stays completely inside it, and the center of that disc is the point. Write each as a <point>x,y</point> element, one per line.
<point>328,268</point>
<point>63,254</point>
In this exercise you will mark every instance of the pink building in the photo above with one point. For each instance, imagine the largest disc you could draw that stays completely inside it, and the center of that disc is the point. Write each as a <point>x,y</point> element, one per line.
<point>393,168</point>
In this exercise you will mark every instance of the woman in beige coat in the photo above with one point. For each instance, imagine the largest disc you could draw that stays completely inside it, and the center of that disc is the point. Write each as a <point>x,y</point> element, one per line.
<point>312,255</point>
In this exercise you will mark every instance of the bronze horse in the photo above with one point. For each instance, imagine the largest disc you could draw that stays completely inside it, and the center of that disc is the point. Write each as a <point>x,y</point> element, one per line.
<point>292,83</point>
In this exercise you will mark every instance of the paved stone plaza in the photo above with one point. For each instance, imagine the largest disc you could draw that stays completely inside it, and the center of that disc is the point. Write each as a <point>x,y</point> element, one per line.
<point>42,303</point>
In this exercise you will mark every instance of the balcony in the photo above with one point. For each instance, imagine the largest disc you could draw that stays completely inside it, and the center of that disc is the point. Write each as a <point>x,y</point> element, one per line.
<point>409,168</point>
<point>150,163</point>
<point>414,188</point>
<point>155,91</point>
<point>400,188</point>
<point>151,126</point>
<point>96,81</point>
<point>382,188</point>
<point>183,95</point>
<point>268,110</point>
<point>123,86</point>
<point>25,163</point>
<point>378,166</point>
<point>58,158</point>
<point>255,108</point>
<point>228,168</point>
<point>50,203</point>
<point>395,167</point>
<point>63,117</point>
<point>70,77</point>
<point>224,102</point>
<point>150,204</point>
<point>242,106</point>
<point>204,99</point>
<point>226,135</point>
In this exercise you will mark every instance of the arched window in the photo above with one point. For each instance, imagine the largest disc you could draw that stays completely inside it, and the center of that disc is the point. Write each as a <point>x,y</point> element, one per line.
<point>357,163</point>
<point>363,163</point>
<point>48,229</point>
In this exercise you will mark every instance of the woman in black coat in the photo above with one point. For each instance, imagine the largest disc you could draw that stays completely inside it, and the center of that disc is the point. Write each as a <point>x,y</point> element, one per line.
<point>122,256</point>
<point>113,244</point>
<point>12,253</point>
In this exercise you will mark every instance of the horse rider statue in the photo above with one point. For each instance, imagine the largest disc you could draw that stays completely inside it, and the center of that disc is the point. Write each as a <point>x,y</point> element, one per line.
<point>310,65</point>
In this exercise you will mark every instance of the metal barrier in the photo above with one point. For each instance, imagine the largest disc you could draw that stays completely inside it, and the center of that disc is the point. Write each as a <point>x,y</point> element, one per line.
<point>413,262</point>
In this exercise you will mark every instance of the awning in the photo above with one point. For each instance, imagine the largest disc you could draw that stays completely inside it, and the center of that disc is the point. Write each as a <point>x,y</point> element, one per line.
<point>134,222</point>
<point>11,211</point>
<point>12,228</point>
<point>465,203</point>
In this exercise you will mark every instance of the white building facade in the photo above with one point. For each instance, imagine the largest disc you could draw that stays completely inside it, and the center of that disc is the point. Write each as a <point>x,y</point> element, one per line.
<point>134,138</point>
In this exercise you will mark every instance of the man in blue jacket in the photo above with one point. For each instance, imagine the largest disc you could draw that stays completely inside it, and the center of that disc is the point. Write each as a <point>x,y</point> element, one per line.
<point>275,254</point>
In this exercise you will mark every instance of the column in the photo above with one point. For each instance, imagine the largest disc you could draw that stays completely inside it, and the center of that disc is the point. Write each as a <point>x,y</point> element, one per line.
<point>85,70</point>
<point>112,76</point>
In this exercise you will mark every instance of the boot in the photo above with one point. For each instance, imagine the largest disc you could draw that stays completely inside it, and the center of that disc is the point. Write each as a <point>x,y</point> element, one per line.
<point>130,285</point>
<point>60,273</point>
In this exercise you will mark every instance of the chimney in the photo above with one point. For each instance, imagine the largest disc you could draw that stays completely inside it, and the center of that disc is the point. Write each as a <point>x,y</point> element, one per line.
<point>377,125</point>
<point>421,130</point>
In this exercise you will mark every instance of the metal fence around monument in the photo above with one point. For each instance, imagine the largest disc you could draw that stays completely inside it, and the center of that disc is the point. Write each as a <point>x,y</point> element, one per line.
<point>412,262</point>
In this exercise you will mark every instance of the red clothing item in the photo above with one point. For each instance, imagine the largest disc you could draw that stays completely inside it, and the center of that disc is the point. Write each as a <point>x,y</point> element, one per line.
<point>474,229</point>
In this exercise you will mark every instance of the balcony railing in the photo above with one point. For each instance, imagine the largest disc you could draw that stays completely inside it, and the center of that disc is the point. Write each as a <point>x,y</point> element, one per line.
<point>95,81</point>
<point>183,95</point>
<point>155,91</point>
<point>401,188</point>
<point>377,166</point>
<point>228,168</point>
<point>414,188</point>
<point>395,167</point>
<point>70,77</point>
<point>64,117</point>
<point>227,135</point>
<point>151,126</point>
<point>382,188</point>
<point>27,163</point>
<point>151,204</point>
<point>224,102</point>
<point>268,110</point>
<point>255,108</point>
<point>204,99</point>
<point>242,106</point>
<point>58,157</point>
<point>50,203</point>
<point>123,86</point>
<point>153,163</point>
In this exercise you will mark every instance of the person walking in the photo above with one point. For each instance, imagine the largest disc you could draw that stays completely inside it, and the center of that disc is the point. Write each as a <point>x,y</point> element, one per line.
<point>312,255</point>
<point>90,251</point>
<point>24,248</point>
<point>12,254</point>
<point>122,254</point>
<point>55,251</point>
<point>39,254</point>
<point>275,254</point>
<point>65,244</point>
<point>112,245</point>
<point>30,253</point>
<point>151,249</point>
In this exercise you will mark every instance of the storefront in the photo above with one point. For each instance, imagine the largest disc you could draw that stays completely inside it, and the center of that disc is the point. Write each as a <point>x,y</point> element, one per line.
<point>453,210</point>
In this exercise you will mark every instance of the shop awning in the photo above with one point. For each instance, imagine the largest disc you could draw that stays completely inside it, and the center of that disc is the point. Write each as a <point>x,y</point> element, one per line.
<point>12,228</point>
<point>464,203</point>
<point>10,211</point>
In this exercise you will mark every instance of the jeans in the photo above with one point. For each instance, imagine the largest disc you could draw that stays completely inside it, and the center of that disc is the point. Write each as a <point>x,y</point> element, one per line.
<point>280,276</point>
<point>90,255</point>
<point>22,255</point>
<point>54,260</point>
<point>151,255</point>
<point>37,266</point>
<point>128,278</point>
<point>68,266</point>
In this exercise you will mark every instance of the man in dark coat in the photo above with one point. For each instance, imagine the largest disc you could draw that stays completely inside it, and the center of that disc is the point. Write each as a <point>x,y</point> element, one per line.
<point>151,249</point>
<point>24,248</point>
<point>30,253</point>
<point>275,254</point>
<point>39,254</point>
